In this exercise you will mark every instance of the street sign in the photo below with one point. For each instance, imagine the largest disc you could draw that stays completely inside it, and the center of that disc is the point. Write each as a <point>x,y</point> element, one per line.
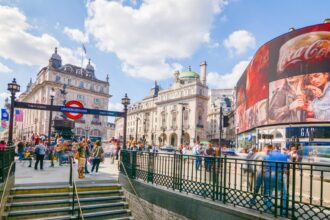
<point>68,109</point>
<point>74,113</point>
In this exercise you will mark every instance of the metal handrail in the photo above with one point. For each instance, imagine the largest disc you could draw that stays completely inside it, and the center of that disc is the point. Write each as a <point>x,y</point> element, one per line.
<point>75,191</point>
<point>134,190</point>
<point>5,187</point>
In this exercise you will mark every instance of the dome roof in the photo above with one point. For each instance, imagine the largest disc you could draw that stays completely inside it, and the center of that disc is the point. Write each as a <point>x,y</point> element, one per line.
<point>55,55</point>
<point>188,75</point>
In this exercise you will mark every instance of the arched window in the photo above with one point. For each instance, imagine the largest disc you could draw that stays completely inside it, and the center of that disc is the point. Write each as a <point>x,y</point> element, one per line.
<point>96,133</point>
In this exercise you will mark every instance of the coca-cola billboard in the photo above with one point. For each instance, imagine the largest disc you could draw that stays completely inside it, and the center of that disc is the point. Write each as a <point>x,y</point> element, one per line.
<point>287,81</point>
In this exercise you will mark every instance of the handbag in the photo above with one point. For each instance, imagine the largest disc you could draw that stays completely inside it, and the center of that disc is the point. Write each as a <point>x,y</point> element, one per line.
<point>76,155</point>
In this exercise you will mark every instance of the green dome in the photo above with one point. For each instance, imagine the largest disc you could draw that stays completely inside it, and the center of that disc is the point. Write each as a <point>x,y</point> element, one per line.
<point>188,75</point>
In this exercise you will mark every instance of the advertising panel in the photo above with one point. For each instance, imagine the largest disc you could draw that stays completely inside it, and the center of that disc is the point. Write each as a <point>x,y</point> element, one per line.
<point>287,80</point>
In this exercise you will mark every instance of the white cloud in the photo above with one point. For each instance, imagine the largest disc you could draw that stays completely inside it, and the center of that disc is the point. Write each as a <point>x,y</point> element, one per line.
<point>5,69</point>
<point>239,42</point>
<point>22,47</point>
<point>147,37</point>
<point>115,107</point>
<point>4,95</point>
<point>227,80</point>
<point>76,35</point>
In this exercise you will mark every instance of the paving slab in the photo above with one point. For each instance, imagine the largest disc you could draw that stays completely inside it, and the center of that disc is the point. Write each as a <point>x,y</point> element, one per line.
<point>60,174</point>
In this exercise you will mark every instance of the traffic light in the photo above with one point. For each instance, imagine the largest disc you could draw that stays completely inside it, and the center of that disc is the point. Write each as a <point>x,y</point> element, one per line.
<point>225,121</point>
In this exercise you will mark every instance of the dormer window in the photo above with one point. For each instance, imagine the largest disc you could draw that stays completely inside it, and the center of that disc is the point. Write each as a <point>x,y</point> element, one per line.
<point>57,79</point>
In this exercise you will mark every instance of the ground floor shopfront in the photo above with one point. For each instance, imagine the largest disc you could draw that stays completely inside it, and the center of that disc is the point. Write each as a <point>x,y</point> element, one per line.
<point>313,138</point>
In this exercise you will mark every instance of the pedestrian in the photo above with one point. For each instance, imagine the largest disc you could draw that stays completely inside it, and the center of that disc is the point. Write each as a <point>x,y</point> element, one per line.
<point>40,151</point>
<point>81,156</point>
<point>20,150</point>
<point>97,154</point>
<point>59,151</point>
<point>275,171</point>
<point>208,153</point>
<point>294,157</point>
<point>27,155</point>
<point>198,151</point>
<point>88,150</point>
<point>2,145</point>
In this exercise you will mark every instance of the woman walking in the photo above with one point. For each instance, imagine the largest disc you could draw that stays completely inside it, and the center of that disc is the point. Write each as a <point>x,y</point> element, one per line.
<point>81,156</point>
<point>97,154</point>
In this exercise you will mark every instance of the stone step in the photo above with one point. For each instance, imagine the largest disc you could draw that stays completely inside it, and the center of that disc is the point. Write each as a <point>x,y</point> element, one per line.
<point>113,215</point>
<point>88,210</point>
<point>65,195</point>
<point>15,206</point>
<point>62,188</point>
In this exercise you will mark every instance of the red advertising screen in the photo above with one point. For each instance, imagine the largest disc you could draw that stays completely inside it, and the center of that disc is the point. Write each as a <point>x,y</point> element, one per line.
<point>287,80</point>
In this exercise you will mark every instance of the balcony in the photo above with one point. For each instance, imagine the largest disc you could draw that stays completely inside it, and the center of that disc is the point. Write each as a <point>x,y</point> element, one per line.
<point>174,127</point>
<point>96,123</point>
<point>199,126</point>
<point>80,121</point>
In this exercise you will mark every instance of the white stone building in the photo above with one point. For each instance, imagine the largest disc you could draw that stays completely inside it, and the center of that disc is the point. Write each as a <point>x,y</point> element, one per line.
<point>81,85</point>
<point>111,127</point>
<point>219,97</point>
<point>167,115</point>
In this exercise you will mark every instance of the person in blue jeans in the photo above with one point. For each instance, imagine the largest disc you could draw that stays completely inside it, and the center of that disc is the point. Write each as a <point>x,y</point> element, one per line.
<point>198,151</point>
<point>275,169</point>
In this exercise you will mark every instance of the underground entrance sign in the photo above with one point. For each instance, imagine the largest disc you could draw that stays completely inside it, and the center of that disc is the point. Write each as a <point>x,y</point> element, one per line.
<point>74,113</point>
<point>76,110</point>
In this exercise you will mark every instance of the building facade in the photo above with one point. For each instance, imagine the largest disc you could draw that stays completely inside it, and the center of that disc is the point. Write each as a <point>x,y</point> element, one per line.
<point>217,98</point>
<point>80,84</point>
<point>111,127</point>
<point>170,116</point>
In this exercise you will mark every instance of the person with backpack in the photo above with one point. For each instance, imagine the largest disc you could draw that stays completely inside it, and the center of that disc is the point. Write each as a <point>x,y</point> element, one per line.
<point>40,151</point>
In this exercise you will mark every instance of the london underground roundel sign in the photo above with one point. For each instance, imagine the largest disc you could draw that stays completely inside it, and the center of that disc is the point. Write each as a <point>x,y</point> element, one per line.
<point>75,104</point>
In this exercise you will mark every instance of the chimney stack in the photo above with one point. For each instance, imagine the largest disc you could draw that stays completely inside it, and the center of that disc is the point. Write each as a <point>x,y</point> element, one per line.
<point>203,72</point>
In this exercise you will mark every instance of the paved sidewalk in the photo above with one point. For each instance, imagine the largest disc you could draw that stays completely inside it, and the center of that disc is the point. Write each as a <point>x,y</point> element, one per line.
<point>60,174</point>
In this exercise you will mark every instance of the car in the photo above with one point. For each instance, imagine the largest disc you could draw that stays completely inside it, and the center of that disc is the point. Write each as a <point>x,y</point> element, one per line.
<point>229,152</point>
<point>168,148</point>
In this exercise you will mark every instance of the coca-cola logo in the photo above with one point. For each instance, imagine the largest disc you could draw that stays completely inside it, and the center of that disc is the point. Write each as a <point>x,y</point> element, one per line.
<point>303,49</point>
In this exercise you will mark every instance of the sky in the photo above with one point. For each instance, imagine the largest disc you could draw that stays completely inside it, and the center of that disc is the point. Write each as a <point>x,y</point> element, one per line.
<point>139,41</point>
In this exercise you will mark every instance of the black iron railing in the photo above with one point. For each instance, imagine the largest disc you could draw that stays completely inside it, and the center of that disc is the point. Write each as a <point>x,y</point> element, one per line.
<point>7,156</point>
<point>292,190</point>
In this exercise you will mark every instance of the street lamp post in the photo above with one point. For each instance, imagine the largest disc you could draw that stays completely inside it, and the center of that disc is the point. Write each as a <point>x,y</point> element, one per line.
<point>52,95</point>
<point>163,139</point>
<point>87,129</point>
<point>182,117</point>
<point>13,88</point>
<point>125,101</point>
<point>136,129</point>
<point>220,127</point>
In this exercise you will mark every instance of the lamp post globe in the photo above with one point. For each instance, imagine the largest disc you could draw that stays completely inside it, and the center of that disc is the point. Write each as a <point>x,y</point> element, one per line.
<point>125,101</point>
<point>13,88</point>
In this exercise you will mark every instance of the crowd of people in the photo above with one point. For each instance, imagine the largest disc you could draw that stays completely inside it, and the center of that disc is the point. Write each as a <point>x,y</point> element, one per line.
<point>61,151</point>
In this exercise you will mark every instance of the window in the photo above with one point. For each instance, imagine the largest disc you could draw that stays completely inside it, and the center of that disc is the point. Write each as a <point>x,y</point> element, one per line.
<point>57,78</point>
<point>97,100</point>
<point>81,85</point>
<point>163,116</point>
<point>69,81</point>
<point>80,97</point>
<point>102,90</point>
<point>92,87</point>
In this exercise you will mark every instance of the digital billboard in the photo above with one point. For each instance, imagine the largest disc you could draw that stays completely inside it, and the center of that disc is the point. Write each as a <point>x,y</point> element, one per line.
<point>287,80</point>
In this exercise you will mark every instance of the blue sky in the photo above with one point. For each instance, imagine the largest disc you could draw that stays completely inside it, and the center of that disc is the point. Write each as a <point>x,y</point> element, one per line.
<point>137,42</point>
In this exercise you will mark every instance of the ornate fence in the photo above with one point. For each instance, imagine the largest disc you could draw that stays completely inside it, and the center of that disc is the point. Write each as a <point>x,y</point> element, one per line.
<point>7,156</point>
<point>292,190</point>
